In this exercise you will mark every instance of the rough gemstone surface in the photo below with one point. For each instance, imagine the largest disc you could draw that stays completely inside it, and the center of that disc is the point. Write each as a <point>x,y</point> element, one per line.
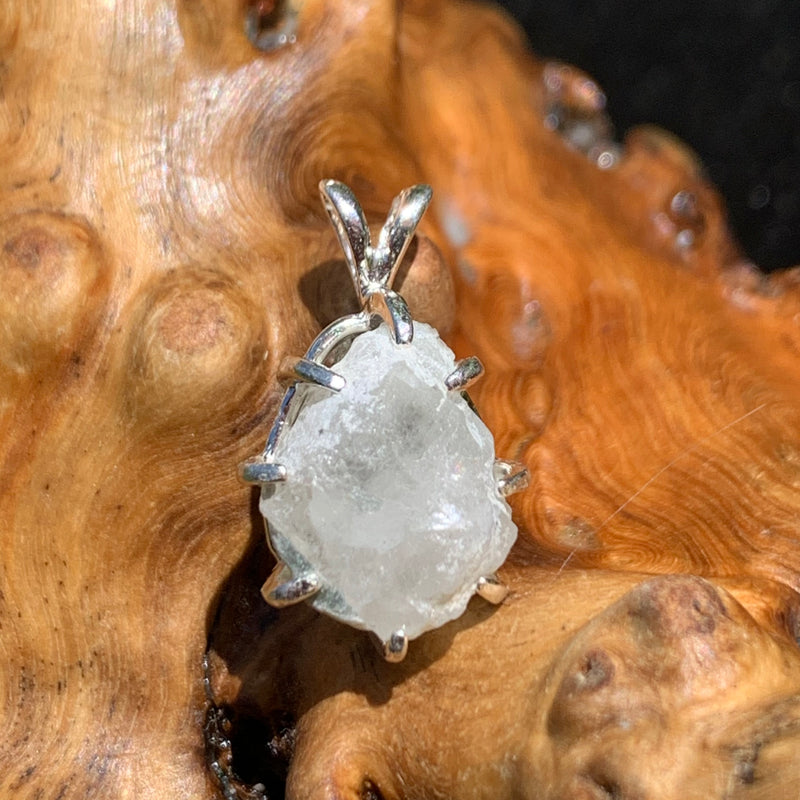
<point>390,497</point>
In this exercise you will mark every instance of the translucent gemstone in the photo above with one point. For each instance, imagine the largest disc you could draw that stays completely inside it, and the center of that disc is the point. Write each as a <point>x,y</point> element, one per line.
<point>390,497</point>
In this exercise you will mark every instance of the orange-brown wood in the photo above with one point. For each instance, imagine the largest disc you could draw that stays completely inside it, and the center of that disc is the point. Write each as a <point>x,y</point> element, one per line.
<point>162,248</point>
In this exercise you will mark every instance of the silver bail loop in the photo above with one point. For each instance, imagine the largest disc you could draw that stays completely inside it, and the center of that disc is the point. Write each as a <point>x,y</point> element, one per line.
<point>373,269</point>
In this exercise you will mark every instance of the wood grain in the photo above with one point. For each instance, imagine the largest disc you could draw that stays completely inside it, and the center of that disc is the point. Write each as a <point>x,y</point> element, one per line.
<point>162,248</point>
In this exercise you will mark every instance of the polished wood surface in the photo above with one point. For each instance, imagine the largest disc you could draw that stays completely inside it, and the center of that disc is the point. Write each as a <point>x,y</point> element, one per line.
<point>163,248</point>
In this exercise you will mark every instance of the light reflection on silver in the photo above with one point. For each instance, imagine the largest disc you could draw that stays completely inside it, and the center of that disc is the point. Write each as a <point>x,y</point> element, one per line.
<point>259,471</point>
<point>295,369</point>
<point>281,589</point>
<point>392,309</point>
<point>396,648</point>
<point>467,371</point>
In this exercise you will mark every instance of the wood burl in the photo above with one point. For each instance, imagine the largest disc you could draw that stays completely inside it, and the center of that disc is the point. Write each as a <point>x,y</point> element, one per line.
<point>163,248</point>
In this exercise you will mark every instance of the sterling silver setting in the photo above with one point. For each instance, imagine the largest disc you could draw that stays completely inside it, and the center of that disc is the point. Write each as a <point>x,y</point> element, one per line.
<point>372,269</point>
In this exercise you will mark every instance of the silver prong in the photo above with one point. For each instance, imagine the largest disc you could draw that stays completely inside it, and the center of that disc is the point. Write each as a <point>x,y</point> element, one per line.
<point>280,574</point>
<point>256,470</point>
<point>281,589</point>
<point>491,589</point>
<point>394,312</point>
<point>337,332</point>
<point>396,647</point>
<point>468,401</point>
<point>296,368</point>
<point>467,371</point>
<point>511,476</point>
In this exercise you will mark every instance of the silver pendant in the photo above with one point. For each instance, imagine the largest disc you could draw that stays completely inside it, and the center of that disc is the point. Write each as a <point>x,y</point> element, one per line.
<point>385,505</point>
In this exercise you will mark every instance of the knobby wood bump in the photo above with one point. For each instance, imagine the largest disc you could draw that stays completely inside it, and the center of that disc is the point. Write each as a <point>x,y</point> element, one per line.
<point>163,248</point>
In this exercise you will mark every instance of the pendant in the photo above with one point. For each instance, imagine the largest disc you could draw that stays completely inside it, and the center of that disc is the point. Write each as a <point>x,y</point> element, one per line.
<point>384,502</point>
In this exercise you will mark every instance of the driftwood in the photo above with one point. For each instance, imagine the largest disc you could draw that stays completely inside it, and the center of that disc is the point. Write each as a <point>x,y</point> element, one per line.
<point>163,248</point>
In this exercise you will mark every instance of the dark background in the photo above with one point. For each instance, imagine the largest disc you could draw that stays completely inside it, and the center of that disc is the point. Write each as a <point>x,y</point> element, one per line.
<point>723,76</point>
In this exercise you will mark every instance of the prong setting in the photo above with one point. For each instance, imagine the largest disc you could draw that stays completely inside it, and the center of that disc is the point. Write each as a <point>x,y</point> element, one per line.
<point>395,647</point>
<point>281,589</point>
<point>295,368</point>
<point>467,371</point>
<point>258,471</point>
<point>492,589</point>
<point>394,312</point>
<point>280,574</point>
<point>511,476</point>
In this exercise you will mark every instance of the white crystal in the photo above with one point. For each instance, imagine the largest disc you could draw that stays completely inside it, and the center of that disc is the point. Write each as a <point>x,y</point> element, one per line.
<point>391,496</point>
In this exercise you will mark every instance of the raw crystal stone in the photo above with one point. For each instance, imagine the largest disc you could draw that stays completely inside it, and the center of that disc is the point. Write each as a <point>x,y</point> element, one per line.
<point>390,496</point>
